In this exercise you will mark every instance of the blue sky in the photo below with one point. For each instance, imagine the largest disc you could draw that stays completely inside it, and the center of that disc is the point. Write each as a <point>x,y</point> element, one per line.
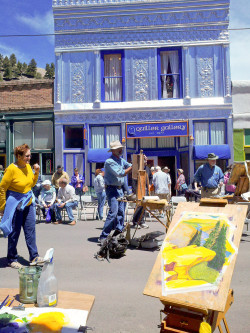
<point>35,17</point>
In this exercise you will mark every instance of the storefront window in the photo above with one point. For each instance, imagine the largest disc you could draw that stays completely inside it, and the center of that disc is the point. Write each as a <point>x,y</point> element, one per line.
<point>148,143</point>
<point>47,164</point>
<point>166,142</point>
<point>43,135</point>
<point>73,137</point>
<point>2,132</point>
<point>23,133</point>
<point>101,136</point>
<point>184,141</point>
<point>212,133</point>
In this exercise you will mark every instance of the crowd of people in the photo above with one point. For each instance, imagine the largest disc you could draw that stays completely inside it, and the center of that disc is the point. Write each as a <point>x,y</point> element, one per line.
<point>21,188</point>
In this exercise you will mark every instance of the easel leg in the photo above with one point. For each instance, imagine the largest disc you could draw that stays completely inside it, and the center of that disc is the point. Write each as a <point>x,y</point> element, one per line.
<point>138,222</point>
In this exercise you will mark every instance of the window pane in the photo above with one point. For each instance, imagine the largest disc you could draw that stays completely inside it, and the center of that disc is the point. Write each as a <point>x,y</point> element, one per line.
<point>166,142</point>
<point>23,133</point>
<point>69,164</point>
<point>113,77</point>
<point>2,132</point>
<point>131,143</point>
<point>170,80</point>
<point>74,137</point>
<point>97,137</point>
<point>47,164</point>
<point>43,134</point>
<point>247,137</point>
<point>217,133</point>
<point>148,143</point>
<point>183,141</point>
<point>201,132</point>
<point>79,163</point>
<point>112,134</point>
<point>35,158</point>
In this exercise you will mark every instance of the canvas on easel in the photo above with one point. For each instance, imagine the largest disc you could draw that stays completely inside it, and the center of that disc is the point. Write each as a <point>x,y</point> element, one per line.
<point>231,218</point>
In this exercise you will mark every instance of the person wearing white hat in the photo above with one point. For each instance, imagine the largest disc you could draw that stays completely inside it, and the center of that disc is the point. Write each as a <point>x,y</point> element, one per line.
<point>48,197</point>
<point>115,170</point>
<point>210,176</point>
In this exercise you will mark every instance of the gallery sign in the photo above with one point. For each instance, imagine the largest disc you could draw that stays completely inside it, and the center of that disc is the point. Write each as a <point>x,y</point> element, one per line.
<point>153,130</point>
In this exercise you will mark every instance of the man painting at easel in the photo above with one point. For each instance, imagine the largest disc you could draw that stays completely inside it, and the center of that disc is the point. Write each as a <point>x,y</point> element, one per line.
<point>115,168</point>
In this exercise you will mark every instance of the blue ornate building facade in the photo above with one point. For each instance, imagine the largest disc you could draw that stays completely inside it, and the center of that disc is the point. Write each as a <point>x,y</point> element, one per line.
<point>153,74</point>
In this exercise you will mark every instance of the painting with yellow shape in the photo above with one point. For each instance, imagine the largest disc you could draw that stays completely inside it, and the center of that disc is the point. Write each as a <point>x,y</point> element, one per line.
<point>197,252</point>
<point>42,320</point>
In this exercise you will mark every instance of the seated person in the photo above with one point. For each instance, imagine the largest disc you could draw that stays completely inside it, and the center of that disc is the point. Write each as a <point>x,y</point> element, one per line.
<point>193,192</point>
<point>47,199</point>
<point>66,199</point>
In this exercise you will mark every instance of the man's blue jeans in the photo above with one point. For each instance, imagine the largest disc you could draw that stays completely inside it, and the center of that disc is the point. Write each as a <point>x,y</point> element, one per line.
<point>101,196</point>
<point>115,218</point>
<point>27,219</point>
<point>69,206</point>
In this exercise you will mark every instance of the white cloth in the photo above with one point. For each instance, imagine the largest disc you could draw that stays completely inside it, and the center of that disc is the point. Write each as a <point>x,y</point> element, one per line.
<point>66,194</point>
<point>161,182</point>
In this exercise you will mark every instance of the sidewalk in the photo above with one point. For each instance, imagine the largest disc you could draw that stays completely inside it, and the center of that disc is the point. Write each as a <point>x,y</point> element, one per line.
<point>120,306</point>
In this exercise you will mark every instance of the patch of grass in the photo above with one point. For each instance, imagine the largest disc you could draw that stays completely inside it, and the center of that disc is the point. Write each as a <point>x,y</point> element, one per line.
<point>203,272</point>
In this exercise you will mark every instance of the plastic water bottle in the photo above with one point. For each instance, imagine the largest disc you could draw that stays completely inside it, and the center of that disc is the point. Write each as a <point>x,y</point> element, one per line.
<point>47,291</point>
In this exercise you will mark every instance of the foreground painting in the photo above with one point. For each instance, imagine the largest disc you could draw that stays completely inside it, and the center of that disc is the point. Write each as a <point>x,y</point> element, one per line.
<point>197,252</point>
<point>42,320</point>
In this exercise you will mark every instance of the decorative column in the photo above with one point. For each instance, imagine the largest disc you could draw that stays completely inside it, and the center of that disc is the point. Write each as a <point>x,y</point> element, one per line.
<point>186,76</point>
<point>97,79</point>
<point>58,82</point>
<point>227,74</point>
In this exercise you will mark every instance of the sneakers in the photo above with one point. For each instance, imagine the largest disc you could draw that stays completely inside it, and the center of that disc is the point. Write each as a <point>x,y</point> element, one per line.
<point>15,265</point>
<point>144,226</point>
<point>136,226</point>
<point>38,261</point>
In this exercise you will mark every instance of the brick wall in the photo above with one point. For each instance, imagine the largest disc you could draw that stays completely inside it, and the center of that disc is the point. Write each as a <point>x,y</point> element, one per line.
<point>26,94</point>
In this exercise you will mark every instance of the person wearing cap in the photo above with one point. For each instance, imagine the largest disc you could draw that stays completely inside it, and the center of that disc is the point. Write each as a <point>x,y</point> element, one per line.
<point>161,183</point>
<point>66,199</point>
<point>181,185</point>
<point>57,175</point>
<point>166,170</point>
<point>115,169</point>
<point>210,176</point>
<point>99,187</point>
<point>48,197</point>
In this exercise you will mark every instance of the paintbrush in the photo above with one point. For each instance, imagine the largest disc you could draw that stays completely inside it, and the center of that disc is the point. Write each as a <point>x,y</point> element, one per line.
<point>10,301</point>
<point>4,301</point>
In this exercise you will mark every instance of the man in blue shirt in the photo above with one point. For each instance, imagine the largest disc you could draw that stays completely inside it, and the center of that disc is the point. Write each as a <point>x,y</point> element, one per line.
<point>210,176</point>
<point>116,168</point>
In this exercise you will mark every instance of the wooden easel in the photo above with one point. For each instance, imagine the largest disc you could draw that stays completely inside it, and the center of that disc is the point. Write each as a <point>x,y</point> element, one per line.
<point>141,176</point>
<point>185,311</point>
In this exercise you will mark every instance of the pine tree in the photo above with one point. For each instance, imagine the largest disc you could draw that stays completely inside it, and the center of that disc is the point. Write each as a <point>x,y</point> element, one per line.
<point>6,62</point>
<point>1,77</point>
<point>12,60</point>
<point>220,248</point>
<point>38,76</point>
<point>24,68</point>
<point>1,62</point>
<point>8,73</point>
<point>196,240</point>
<point>212,237</point>
<point>50,71</point>
<point>31,70</point>
<point>19,68</point>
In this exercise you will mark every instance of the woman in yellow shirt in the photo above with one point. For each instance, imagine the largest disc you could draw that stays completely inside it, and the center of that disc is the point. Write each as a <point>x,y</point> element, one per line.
<point>16,205</point>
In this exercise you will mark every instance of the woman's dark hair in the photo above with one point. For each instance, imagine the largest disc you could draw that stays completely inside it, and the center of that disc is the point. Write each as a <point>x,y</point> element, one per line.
<point>76,169</point>
<point>21,150</point>
<point>98,171</point>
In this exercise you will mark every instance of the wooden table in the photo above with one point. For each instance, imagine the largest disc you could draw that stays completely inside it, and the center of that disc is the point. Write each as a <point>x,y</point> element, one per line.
<point>66,299</point>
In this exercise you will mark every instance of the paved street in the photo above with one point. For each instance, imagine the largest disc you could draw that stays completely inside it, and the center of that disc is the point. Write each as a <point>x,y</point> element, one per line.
<point>120,306</point>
